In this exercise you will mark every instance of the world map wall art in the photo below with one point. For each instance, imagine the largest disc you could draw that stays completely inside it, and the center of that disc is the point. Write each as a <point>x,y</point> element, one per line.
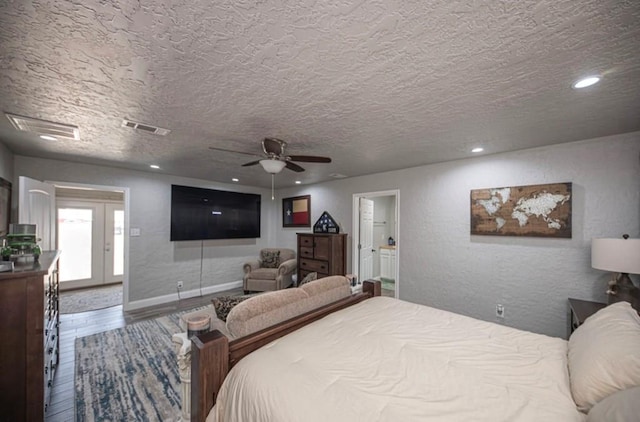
<point>535,210</point>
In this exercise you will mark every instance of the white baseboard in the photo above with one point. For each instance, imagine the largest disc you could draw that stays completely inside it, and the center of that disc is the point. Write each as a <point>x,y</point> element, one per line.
<point>173,297</point>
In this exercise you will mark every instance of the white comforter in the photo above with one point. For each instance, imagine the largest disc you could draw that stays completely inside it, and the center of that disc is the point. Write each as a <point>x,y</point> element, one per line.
<point>390,360</point>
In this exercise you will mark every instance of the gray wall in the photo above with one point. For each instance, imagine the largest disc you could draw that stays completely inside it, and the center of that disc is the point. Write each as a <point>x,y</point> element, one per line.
<point>442,265</point>
<point>155,263</point>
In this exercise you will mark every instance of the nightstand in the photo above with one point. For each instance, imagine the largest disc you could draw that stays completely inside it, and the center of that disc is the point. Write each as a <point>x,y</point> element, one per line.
<point>581,310</point>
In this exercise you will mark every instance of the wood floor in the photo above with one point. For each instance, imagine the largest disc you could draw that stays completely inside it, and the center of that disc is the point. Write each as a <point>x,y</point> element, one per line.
<point>61,408</point>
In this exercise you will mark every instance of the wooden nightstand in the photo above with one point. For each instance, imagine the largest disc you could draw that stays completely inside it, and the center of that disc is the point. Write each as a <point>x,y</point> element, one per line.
<point>581,310</point>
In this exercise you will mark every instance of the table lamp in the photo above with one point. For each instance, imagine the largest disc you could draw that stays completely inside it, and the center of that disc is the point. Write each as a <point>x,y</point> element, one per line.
<point>619,256</point>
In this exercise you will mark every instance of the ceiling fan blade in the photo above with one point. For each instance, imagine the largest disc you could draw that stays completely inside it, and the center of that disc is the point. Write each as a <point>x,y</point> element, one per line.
<point>251,163</point>
<point>273,146</point>
<point>294,167</point>
<point>309,159</point>
<point>237,152</point>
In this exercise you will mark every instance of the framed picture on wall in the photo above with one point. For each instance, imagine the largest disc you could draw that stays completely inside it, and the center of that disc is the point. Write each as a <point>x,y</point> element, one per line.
<point>296,211</point>
<point>5,206</point>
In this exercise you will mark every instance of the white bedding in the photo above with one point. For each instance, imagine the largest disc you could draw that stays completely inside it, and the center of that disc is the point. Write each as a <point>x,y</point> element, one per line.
<point>390,360</point>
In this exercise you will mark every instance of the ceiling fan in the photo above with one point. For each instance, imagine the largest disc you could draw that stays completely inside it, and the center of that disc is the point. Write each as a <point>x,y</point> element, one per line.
<point>275,159</point>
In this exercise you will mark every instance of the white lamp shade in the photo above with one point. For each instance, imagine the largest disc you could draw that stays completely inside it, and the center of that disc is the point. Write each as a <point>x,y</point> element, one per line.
<point>616,255</point>
<point>272,166</point>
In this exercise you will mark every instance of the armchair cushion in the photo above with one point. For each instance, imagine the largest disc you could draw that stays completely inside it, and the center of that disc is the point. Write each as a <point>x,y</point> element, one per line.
<point>270,258</point>
<point>264,273</point>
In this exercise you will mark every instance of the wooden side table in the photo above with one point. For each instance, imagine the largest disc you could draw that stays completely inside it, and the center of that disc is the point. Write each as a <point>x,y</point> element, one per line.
<point>581,310</point>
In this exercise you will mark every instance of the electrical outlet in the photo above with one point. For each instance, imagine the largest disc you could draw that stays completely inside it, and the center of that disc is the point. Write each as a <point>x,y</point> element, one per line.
<point>499,311</point>
<point>180,285</point>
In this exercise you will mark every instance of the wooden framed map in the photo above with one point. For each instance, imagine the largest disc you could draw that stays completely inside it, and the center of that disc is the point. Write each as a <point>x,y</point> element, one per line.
<point>535,210</point>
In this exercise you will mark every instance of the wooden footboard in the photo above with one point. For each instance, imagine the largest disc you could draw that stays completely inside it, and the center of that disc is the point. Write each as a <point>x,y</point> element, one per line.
<point>213,355</point>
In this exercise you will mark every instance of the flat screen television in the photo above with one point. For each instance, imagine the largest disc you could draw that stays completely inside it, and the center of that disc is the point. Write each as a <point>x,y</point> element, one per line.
<point>199,214</point>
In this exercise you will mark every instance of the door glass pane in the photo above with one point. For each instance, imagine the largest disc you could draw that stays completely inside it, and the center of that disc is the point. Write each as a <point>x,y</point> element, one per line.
<point>74,240</point>
<point>118,242</point>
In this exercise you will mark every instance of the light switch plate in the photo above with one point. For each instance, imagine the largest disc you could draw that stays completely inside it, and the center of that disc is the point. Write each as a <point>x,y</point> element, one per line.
<point>134,232</point>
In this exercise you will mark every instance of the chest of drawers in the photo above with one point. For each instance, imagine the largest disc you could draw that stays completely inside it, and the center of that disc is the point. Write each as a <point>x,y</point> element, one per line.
<point>325,254</point>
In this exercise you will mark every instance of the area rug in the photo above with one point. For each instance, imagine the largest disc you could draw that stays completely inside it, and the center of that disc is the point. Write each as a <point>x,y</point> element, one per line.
<point>90,299</point>
<point>129,374</point>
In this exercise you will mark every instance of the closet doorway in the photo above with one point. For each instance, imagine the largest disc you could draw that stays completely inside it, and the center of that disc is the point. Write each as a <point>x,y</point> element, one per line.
<point>90,232</point>
<point>376,243</point>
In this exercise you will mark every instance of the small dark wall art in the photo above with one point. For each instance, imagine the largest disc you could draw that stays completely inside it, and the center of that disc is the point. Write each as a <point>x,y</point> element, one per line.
<point>535,210</point>
<point>296,211</point>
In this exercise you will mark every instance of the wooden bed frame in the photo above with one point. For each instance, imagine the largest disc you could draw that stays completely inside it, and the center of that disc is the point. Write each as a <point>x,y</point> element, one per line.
<point>213,355</point>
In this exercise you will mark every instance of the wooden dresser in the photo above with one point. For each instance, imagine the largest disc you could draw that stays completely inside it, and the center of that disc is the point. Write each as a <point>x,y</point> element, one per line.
<point>28,337</point>
<point>325,254</point>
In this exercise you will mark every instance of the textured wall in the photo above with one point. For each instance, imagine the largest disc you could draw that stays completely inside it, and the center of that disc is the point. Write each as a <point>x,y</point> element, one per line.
<point>156,264</point>
<point>442,265</point>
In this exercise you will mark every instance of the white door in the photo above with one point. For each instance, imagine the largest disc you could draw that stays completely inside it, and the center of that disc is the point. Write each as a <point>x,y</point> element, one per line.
<point>91,237</point>
<point>37,205</point>
<point>114,243</point>
<point>365,267</point>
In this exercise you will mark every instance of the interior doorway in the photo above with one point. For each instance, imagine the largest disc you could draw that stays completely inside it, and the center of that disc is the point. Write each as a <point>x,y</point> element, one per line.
<point>91,231</point>
<point>376,242</point>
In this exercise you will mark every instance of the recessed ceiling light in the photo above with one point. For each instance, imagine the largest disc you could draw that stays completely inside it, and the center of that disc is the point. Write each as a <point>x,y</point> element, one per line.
<point>585,82</point>
<point>154,166</point>
<point>48,138</point>
<point>235,180</point>
<point>298,182</point>
<point>477,149</point>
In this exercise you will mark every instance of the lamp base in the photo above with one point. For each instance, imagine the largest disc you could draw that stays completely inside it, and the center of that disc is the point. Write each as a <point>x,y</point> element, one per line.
<point>624,290</point>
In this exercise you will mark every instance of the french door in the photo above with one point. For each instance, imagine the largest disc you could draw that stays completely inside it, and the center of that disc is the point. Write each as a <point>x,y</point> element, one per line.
<point>91,238</point>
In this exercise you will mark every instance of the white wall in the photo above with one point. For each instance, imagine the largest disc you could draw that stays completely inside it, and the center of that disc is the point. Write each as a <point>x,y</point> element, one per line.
<point>6,163</point>
<point>156,264</point>
<point>442,265</point>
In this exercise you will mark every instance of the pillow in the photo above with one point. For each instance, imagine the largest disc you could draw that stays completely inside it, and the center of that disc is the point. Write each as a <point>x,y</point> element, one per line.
<point>622,406</point>
<point>270,259</point>
<point>603,354</point>
<point>224,304</point>
<point>307,278</point>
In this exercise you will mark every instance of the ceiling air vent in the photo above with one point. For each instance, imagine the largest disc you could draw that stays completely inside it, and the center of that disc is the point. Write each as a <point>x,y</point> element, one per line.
<point>44,127</point>
<point>146,128</point>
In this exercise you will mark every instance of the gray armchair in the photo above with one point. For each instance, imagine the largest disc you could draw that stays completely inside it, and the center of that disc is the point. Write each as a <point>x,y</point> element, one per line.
<point>260,279</point>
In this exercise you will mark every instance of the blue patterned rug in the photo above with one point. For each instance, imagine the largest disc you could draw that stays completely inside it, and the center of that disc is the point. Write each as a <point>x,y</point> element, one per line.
<point>129,374</point>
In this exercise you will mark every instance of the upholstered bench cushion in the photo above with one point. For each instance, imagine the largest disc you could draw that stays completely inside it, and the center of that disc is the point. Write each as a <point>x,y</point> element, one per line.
<point>326,290</point>
<point>264,310</point>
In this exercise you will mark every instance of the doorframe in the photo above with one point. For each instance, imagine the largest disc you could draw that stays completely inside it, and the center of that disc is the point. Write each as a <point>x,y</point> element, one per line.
<point>355,260</point>
<point>127,210</point>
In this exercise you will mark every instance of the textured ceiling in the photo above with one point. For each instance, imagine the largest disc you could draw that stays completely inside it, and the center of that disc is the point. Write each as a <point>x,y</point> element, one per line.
<point>376,85</point>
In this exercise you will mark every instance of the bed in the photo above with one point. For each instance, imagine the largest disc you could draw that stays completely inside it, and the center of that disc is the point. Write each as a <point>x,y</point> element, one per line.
<point>383,359</point>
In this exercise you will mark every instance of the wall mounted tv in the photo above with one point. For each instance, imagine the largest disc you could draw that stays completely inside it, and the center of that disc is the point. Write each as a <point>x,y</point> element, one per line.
<point>198,214</point>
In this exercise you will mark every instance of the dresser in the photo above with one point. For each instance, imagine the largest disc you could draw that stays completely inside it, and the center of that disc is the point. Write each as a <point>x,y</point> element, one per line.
<point>325,254</point>
<point>29,343</point>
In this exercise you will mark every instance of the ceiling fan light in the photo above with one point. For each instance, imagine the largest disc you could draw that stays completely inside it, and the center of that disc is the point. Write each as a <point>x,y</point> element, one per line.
<point>272,166</point>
